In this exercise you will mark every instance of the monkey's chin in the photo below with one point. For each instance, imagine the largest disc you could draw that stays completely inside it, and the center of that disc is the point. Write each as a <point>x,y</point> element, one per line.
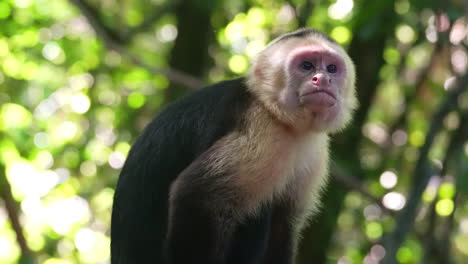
<point>325,121</point>
<point>323,109</point>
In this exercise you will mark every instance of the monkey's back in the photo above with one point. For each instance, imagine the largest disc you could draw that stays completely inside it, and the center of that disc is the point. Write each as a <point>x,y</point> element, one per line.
<point>178,135</point>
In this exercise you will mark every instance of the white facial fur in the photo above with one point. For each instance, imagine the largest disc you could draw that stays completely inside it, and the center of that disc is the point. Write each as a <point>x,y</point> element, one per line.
<point>320,98</point>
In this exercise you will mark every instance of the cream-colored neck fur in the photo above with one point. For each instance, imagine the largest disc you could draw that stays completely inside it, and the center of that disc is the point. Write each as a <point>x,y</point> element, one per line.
<point>275,162</point>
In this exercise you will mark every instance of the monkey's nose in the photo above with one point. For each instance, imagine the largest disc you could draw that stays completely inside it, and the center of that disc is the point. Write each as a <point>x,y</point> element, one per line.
<point>320,79</point>
<point>316,80</point>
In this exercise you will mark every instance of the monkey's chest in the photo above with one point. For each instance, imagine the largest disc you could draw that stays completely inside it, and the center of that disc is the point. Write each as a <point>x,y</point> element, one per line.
<point>293,167</point>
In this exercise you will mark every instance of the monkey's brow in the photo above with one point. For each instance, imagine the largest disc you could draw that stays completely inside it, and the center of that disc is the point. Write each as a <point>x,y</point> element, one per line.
<point>319,51</point>
<point>305,32</point>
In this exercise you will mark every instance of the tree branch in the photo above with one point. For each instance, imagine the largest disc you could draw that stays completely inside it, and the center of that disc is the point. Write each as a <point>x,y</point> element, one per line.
<point>455,152</point>
<point>11,207</point>
<point>431,248</point>
<point>421,174</point>
<point>114,42</point>
<point>354,184</point>
<point>149,21</point>
<point>109,36</point>
<point>418,85</point>
<point>302,14</point>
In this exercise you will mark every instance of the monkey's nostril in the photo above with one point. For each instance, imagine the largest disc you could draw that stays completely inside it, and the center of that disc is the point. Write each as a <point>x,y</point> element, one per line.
<point>315,79</point>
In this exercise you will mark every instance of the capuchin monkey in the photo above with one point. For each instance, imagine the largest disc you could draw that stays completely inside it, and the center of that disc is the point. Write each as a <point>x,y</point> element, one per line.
<point>231,173</point>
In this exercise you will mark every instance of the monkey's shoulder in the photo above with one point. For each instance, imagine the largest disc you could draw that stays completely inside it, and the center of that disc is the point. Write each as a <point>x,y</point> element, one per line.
<point>189,126</point>
<point>212,111</point>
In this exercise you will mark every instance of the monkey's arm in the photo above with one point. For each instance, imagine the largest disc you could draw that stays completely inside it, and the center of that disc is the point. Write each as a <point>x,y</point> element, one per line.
<point>280,248</point>
<point>201,215</point>
<point>209,221</point>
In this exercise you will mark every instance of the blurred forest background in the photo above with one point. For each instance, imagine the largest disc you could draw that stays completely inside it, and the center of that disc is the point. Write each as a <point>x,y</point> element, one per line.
<point>80,79</point>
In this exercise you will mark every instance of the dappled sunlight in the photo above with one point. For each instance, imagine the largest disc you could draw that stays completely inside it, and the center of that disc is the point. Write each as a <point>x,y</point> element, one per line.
<point>376,133</point>
<point>27,180</point>
<point>459,31</point>
<point>53,52</point>
<point>459,60</point>
<point>340,9</point>
<point>405,34</point>
<point>341,34</point>
<point>116,160</point>
<point>9,252</point>
<point>75,93</point>
<point>372,212</point>
<point>167,33</point>
<point>394,201</point>
<point>14,116</point>
<point>62,215</point>
<point>399,138</point>
<point>388,179</point>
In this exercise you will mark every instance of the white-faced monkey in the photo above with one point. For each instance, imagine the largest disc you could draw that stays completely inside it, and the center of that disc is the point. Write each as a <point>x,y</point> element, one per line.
<point>230,173</point>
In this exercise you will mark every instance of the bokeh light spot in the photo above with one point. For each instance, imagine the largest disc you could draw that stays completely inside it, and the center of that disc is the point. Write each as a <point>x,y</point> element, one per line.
<point>447,190</point>
<point>51,51</point>
<point>445,207</point>
<point>234,31</point>
<point>402,7</point>
<point>61,215</point>
<point>404,255</point>
<point>57,261</point>
<point>374,230</point>
<point>136,100</point>
<point>238,64</point>
<point>167,33</point>
<point>392,56</point>
<point>41,140</point>
<point>388,179</point>
<point>67,130</point>
<point>23,3</point>
<point>80,103</point>
<point>5,10</point>
<point>116,160</point>
<point>341,34</point>
<point>84,239</point>
<point>14,116</point>
<point>3,44</point>
<point>340,9</point>
<point>256,17</point>
<point>44,159</point>
<point>9,251</point>
<point>417,138</point>
<point>394,201</point>
<point>405,34</point>
<point>27,180</point>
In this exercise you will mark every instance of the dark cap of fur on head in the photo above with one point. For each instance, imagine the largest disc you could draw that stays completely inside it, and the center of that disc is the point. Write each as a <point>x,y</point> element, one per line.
<point>303,32</point>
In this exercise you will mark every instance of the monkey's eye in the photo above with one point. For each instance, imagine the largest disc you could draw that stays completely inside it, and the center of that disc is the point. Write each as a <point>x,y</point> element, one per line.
<point>332,68</point>
<point>307,65</point>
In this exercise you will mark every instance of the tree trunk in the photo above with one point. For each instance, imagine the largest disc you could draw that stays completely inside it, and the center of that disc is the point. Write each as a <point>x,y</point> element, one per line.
<point>190,51</point>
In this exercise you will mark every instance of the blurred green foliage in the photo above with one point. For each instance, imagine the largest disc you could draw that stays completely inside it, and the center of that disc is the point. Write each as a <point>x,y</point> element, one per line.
<point>71,105</point>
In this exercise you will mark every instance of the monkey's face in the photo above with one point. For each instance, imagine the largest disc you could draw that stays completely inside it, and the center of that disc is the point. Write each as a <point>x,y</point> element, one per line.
<point>311,80</point>
<point>318,76</point>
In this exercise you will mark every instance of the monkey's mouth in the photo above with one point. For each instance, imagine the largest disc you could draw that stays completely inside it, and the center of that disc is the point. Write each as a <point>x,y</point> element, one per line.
<point>320,91</point>
<point>319,98</point>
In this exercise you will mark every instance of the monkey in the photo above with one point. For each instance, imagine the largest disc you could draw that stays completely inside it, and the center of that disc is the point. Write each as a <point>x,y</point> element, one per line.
<point>231,173</point>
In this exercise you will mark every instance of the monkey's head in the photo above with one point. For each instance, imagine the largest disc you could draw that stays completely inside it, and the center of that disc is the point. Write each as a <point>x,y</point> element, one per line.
<point>307,80</point>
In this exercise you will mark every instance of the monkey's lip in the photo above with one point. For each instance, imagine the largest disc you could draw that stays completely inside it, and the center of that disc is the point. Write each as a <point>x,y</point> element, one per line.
<point>318,99</point>
<point>317,91</point>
